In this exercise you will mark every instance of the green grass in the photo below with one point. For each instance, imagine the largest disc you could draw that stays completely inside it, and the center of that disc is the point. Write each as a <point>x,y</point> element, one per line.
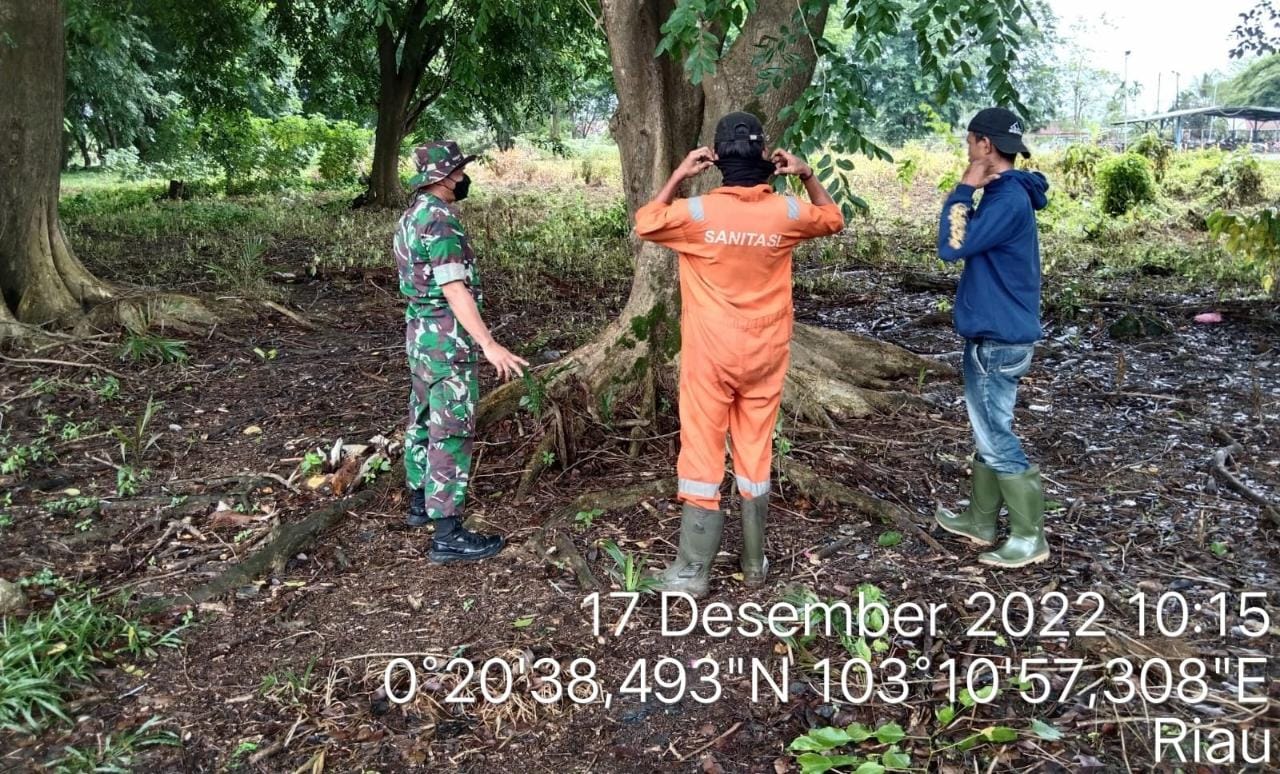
<point>548,227</point>
<point>115,752</point>
<point>47,656</point>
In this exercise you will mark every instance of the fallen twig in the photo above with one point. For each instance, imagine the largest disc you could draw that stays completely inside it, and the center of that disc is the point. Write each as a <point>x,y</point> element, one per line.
<point>46,361</point>
<point>297,318</point>
<point>1220,467</point>
<point>732,730</point>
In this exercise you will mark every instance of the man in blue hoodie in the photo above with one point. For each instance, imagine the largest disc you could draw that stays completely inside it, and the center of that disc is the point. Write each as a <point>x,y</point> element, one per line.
<point>997,311</point>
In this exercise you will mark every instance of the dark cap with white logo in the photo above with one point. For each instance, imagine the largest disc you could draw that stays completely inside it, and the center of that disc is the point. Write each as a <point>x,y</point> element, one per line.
<point>1003,128</point>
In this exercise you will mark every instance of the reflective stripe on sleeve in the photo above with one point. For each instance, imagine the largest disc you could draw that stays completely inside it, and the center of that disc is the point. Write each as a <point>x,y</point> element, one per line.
<point>695,208</point>
<point>793,208</point>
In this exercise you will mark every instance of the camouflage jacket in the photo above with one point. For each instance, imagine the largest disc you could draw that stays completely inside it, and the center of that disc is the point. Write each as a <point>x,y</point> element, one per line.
<point>431,249</point>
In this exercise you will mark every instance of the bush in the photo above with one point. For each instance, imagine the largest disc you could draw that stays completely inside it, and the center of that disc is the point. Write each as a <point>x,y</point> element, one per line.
<point>124,162</point>
<point>1255,240</point>
<point>238,145</point>
<point>1236,181</point>
<point>1185,178</point>
<point>1078,165</point>
<point>1124,182</point>
<point>177,153</point>
<point>291,144</point>
<point>1156,151</point>
<point>345,148</point>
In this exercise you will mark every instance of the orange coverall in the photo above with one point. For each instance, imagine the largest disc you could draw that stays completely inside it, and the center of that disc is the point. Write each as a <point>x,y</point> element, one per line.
<point>736,322</point>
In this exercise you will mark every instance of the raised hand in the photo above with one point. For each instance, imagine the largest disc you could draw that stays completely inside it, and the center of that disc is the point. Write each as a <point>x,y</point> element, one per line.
<point>787,163</point>
<point>978,174</point>
<point>697,162</point>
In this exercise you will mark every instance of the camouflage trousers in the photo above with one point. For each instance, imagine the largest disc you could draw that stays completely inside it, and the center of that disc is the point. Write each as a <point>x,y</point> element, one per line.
<point>441,431</point>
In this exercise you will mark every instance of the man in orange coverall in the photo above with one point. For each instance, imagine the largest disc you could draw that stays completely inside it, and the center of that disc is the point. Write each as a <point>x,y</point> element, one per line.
<point>735,246</point>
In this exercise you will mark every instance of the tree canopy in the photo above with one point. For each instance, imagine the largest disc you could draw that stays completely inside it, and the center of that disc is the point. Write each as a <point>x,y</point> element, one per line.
<point>1257,85</point>
<point>957,43</point>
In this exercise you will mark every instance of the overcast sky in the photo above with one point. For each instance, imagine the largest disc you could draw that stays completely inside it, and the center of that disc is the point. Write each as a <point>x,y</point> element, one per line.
<point>1164,35</point>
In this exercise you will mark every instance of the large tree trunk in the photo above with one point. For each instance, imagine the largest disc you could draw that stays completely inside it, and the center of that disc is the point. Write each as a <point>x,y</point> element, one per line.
<point>393,107</point>
<point>402,62</point>
<point>41,280</point>
<point>384,177</point>
<point>83,145</point>
<point>661,116</point>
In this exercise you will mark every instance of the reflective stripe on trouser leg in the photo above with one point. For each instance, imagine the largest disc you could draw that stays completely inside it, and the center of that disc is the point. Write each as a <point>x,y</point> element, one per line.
<point>750,488</point>
<point>702,490</point>
<point>440,437</point>
<point>705,399</point>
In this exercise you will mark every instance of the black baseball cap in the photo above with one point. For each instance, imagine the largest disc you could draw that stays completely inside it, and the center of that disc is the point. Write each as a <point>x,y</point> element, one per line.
<point>1003,128</point>
<point>740,126</point>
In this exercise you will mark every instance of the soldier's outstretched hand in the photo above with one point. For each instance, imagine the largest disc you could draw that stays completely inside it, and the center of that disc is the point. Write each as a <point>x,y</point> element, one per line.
<point>508,363</point>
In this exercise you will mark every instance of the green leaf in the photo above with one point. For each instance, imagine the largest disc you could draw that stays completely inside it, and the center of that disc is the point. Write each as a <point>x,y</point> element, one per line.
<point>857,732</point>
<point>813,763</point>
<point>945,715</point>
<point>894,759</point>
<point>807,743</point>
<point>1045,731</point>
<point>869,767</point>
<point>521,623</point>
<point>1000,734</point>
<point>889,539</point>
<point>891,733</point>
<point>830,736</point>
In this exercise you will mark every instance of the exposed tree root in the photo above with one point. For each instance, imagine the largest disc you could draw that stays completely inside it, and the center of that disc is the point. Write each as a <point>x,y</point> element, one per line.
<point>539,460</point>
<point>142,311</point>
<point>569,553</point>
<point>288,540</point>
<point>137,312</point>
<point>821,489</point>
<point>554,534</point>
<point>20,335</point>
<point>836,376</point>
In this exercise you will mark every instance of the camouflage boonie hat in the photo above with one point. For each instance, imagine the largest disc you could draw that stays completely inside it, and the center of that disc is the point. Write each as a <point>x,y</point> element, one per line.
<point>435,161</point>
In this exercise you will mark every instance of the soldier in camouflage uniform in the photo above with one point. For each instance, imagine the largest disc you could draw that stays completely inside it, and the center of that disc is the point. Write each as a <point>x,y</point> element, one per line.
<point>444,334</point>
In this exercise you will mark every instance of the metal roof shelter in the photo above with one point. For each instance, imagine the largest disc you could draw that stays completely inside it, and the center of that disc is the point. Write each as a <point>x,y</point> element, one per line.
<point>1255,115</point>
<point>1246,113</point>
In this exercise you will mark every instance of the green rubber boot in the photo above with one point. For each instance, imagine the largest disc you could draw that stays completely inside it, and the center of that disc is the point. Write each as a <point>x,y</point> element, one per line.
<point>755,565</point>
<point>978,523</point>
<point>699,541</point>
<point>1026,544</point>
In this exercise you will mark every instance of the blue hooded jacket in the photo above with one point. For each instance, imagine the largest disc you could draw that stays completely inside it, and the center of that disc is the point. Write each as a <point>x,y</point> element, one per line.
<point>999,293</point>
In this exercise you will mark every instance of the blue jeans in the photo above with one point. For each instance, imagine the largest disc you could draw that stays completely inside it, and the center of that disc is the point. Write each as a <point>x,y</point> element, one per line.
<point>991,373</point>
